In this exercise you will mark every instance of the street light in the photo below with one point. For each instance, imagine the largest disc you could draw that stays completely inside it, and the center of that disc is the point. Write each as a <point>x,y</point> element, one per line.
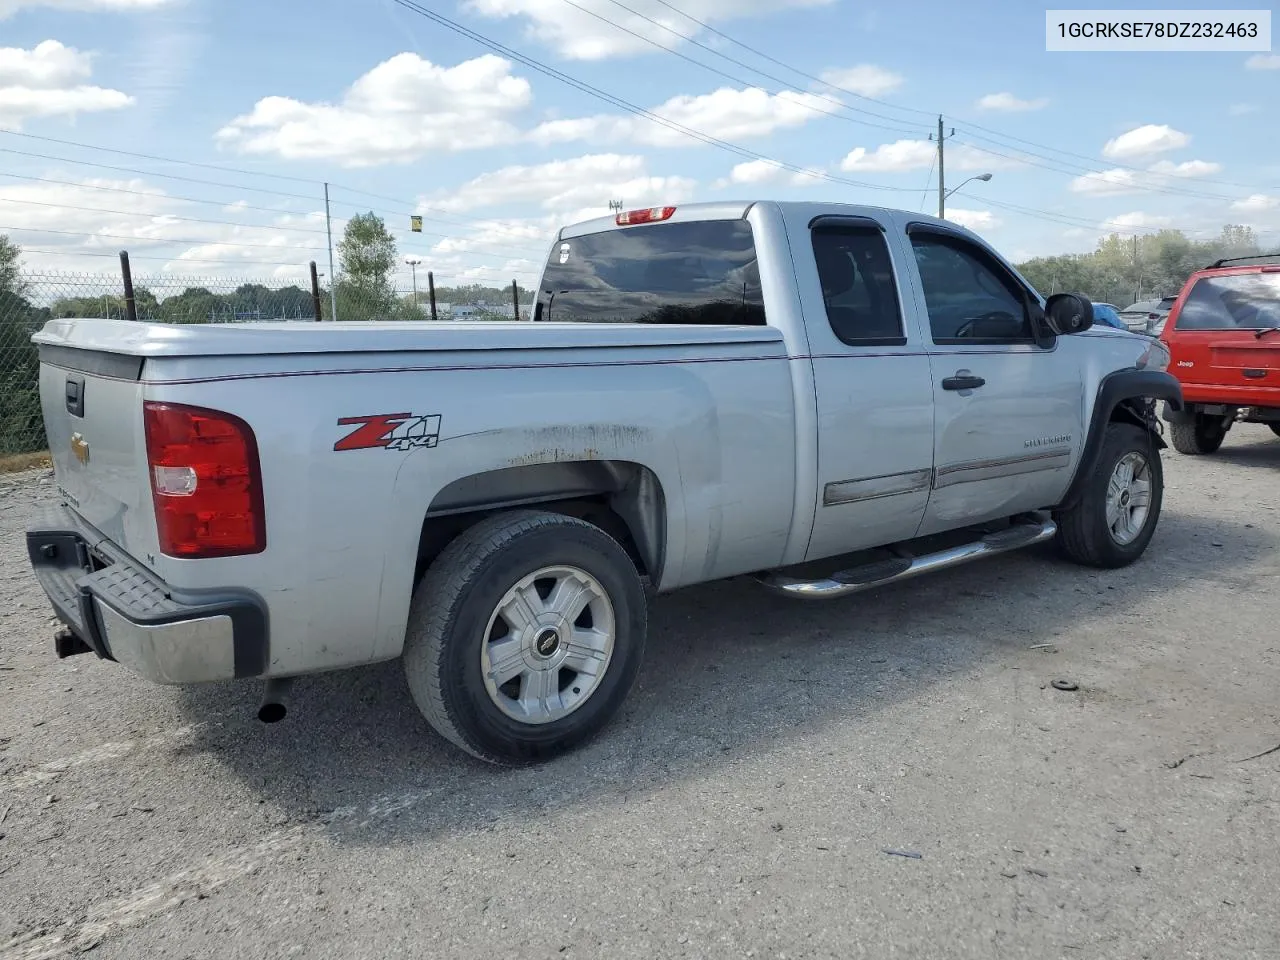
<point>413,267</point>
<point>982,176</point>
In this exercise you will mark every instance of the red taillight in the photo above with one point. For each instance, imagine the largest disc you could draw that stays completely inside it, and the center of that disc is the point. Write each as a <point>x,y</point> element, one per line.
<point>650,215</point>
<point>206,482</point>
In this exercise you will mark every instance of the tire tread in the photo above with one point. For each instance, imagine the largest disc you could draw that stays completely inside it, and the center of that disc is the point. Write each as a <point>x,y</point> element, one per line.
<point>1082,530</point>
<point>435,604</point>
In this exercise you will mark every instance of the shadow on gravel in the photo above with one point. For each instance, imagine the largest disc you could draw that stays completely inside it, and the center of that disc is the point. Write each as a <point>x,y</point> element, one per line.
<point>1259,447</point>
<point>731,673</point>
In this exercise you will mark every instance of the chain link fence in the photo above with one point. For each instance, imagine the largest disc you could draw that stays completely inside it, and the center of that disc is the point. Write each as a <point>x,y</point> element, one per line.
<point>42,296</point>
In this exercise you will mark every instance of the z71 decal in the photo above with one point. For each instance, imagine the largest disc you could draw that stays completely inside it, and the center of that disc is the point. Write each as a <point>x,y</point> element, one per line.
<point>390,431</point>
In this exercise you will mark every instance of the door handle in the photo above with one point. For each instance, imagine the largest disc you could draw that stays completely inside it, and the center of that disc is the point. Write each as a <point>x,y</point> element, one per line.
<point>1254,374</point>
<point>962,382</point>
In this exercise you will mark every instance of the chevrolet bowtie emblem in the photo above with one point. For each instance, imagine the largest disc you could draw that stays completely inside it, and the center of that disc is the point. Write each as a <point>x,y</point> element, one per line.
<point>80,447</point>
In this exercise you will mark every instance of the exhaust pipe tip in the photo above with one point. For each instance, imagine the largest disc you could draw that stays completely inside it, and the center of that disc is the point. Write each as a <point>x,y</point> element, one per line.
<point>273,708</point>
<point>272,712</point>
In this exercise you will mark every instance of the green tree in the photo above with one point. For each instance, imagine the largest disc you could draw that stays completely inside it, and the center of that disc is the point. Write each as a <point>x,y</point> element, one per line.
<point>10,273</point>
<point>21,426</point>
<point>367,253</point>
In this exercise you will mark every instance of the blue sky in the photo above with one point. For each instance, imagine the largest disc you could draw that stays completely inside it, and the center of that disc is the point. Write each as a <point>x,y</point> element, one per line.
<point>373,97</point>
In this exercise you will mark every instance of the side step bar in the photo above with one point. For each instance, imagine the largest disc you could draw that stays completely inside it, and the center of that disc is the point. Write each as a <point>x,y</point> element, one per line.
<point>881,572</point>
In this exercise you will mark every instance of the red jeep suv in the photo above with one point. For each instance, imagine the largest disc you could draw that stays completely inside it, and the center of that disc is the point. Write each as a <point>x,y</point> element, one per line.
<point>1223,335</point>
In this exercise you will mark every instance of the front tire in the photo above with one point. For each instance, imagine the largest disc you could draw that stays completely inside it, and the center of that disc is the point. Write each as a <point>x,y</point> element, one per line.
<point>1115,518</point>
<point>525,636</point>
<point>1202,435</point>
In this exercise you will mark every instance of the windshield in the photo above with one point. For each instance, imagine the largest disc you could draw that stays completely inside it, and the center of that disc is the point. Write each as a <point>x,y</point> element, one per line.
<point>1242,301</point>
<point>701,272</point>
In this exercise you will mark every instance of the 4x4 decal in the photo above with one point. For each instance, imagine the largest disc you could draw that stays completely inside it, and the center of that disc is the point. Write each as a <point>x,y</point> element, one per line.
<point>390,431</point>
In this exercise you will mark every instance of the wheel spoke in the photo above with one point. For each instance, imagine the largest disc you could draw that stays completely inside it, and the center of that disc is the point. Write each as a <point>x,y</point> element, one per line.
<point>569,597</point>
<point>1113,512</point>
<point>588,651</point>
<point>522,608</point>
<point>540,692</point>
<point>506,660</point>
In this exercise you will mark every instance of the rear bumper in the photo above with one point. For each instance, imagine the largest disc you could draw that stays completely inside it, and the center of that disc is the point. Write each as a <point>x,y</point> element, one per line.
<point>123,612</point>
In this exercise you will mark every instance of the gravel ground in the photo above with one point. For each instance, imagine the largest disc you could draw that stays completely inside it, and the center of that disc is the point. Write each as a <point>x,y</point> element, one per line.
<point>743,804</point>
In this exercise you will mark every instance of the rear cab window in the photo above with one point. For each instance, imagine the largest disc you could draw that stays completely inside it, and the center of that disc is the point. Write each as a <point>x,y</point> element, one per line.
<point>859,289</point>
<point>687,272</point>
<point>1241,301</point>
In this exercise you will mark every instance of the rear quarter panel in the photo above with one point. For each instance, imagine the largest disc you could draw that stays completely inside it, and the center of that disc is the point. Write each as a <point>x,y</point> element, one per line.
<point>714,422</point>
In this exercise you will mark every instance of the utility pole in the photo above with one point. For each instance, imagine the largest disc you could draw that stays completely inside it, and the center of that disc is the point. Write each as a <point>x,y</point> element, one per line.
<point>942,179</point>
<point>413,266</point>
<point>615,206</point>
<point>333,277</point>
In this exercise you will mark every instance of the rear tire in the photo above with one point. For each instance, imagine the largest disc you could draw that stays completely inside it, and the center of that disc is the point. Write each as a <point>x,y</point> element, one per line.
<point>525,636</point>
<point>1202,435</point>
<point>1116,516</point>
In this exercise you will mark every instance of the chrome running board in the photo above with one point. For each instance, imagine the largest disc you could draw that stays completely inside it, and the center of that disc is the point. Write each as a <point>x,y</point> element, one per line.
<point>881,572</point>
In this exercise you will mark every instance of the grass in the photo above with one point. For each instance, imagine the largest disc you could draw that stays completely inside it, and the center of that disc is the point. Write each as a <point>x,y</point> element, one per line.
<point>17,462</point>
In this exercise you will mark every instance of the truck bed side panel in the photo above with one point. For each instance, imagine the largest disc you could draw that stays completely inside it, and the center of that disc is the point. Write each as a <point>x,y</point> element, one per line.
<point>713,422</point>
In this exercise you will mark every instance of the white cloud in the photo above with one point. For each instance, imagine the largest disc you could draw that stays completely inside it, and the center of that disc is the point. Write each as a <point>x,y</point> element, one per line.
<point>587,182</point>
<point>48,81</point>
<point>1008,103</point>
<point>1188,168</point>
<point>1136,221</point>
<point>400,110</point>
<point>1257,203</point>
<point>1241,109</point>
<point>577,35</point>
<point>727,114</point>
<point>1107,183</point>
<point>80,226</point>
<point>1263,61</point>
<point>1145,140</point>
<point>9,7</point>
<point>88,221</point>
<point>866,79</point>
<point>976,220</point>
<point>903,155</point>
<point>754,173</point>
<point>1121,180</point>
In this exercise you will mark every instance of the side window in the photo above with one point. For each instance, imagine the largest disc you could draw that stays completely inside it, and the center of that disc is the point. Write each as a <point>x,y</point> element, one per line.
<point>858,285</point>
<point>968,296</point>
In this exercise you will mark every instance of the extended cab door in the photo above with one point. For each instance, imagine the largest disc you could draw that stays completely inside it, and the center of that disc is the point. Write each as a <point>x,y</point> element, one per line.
<point>873,388</point>
<point>1008,413</point>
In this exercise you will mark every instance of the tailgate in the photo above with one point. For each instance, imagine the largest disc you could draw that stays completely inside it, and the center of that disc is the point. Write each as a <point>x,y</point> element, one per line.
<point>92,406</point>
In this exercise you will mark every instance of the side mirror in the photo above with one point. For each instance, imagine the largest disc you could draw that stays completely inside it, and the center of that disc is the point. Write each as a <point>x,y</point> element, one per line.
<point>1067,313</point>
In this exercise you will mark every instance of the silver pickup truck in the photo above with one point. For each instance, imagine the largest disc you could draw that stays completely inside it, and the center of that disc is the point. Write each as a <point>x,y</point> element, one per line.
<point>824,396</point>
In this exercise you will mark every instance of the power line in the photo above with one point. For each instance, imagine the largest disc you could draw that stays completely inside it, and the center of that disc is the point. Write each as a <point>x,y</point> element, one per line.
<point>627,105</point>
<point>1095,174</point>
<point>1001,136</point>
<point>265,263</point>
<point>148,156</point>
<point>143,193</point>
<point>152,173</point>
<point>115,256</point>
<point>722,73</point>
<point>138,239</point>
<point>157,216</point>
<point>1105,226</point>
<point>787,66</point>
<point>1121,166</point>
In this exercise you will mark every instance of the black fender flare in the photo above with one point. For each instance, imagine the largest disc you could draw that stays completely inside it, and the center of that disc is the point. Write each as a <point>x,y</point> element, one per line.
<point>1116,387</point>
